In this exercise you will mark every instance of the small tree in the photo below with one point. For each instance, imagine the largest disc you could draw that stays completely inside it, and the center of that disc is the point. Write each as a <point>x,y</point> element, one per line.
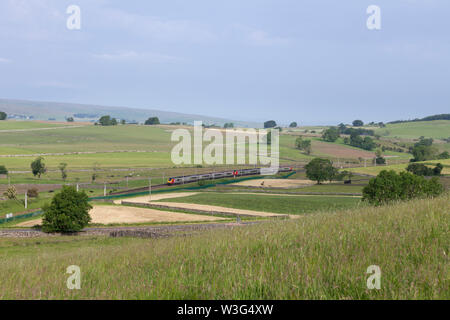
<point>358,123</point>
<point>152,121</point>
<point>320,170</point>
<point>38,167</point>
<point>3,115</point>
<point>62,167</point>
<point>293,125</point>
<point>68,211</point>
<point>11,193</point>
<point>33,193</point>
<point>3,170</point>
<point>228,125</point>
<point>331,134</point>
<point>304,145</point>
<point>270,124</point>
<point>70,119</point>
<point>95,168</point>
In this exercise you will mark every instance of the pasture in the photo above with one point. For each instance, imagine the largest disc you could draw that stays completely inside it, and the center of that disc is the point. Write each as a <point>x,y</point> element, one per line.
<point>320,256</point>
<point>285,204</point>
<point>437,129</point>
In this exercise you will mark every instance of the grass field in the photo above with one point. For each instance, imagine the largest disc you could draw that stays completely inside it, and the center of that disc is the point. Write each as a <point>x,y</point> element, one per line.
<point>271,203</point>
<point>399,167</point>
<point>437,129</point>
<point>20,125</point>
<point>321,256</point>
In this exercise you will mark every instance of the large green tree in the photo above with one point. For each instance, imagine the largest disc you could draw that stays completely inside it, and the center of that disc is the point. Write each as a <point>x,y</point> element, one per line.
<point>320,170</point>
<point>3,115</point>
<point>68,211</point>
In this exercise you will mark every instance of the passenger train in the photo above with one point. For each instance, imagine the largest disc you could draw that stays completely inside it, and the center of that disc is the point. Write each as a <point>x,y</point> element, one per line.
<point>219,175</point>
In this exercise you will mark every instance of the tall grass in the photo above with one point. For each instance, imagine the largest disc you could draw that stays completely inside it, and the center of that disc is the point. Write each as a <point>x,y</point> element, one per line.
<point>321,256</point>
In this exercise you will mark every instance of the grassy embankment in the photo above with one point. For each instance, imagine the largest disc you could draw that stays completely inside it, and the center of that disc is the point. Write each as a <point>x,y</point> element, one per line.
<point>321,256</point>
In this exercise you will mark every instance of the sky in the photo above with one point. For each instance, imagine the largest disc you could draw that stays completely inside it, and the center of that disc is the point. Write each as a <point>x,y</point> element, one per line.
<point>311,61</point>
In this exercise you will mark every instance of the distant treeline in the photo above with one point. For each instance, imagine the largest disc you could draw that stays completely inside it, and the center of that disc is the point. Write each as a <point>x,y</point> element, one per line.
<point>85,115</point>
<point>444,116</point>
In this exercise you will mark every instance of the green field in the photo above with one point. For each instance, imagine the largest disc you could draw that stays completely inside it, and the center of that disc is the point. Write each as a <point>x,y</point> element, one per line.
<point>437,129</point>
<point>321,256</point>
<point>20,125</point>
<point>399,167</point>
<point>271,203</point>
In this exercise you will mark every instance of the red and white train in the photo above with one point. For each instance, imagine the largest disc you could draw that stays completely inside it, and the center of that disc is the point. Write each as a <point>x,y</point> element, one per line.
<point>219,175</point>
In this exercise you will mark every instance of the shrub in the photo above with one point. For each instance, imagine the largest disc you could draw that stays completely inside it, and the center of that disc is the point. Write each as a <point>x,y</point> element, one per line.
<point>152,121</point>
<point>380,160</point>
<point>33,193</point>
<point>3,170</point>
<point>11,193</point>
<point>68,211</point>
<point>389,186</point>
<point>422,170</point>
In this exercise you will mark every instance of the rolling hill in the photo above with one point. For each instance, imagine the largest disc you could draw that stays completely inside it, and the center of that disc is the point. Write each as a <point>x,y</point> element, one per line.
<point>41,110</point>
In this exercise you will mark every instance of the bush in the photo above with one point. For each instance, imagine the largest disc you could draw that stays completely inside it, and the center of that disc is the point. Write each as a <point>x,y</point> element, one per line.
<point>11,193</point>
<point>3,170</point>
<point>422,170</point>
<point>152,121</point>
<point>380,160</point>
<point>33,193</point>
<point>270,124</point>
<point>389,186</point>
<point>68,211</point>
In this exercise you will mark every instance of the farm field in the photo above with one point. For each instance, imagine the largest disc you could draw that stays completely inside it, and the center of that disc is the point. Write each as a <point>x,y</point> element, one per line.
<point>373,171</point>
<point>108,215</point>
<point>271,203</point>
<point>275,260</point>
<point>437,129</point>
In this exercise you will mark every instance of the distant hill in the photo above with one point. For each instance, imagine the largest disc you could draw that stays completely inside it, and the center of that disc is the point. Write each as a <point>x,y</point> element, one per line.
<point>59,111</point>
<point>444,116</point>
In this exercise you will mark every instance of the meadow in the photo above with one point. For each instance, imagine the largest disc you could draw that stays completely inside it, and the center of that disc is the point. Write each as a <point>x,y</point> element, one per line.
<point>373,171</point>
<point>288,204</point>
<point>437,129</point>
<point>320,256</point>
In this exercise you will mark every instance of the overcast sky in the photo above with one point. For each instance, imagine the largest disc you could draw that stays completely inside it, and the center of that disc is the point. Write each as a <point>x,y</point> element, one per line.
<point>312,61</point>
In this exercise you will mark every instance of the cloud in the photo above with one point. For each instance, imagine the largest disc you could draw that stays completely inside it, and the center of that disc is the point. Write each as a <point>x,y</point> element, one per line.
<point>166,30</point>
<point>256,37</point>
<point>54,84</point>
<point>4,60</point>
<point>135,56</point>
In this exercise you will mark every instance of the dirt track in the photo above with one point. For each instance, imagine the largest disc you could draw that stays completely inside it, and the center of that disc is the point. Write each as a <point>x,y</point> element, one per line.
<point>215,209</point>
<point>116,214</point>
<point>155,197</point>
